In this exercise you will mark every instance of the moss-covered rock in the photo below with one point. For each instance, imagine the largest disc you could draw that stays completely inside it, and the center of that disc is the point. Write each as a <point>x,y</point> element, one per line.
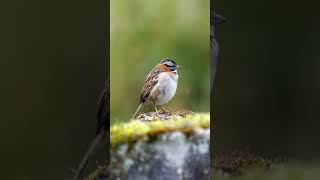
<point>237,162</point>
<point>152,124</point>
<point>164,145</point>
<point>290,171</point>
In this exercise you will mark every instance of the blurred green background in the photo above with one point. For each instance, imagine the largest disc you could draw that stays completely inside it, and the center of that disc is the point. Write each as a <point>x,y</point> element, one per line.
<point>143,33</point>
<point>268,80</point>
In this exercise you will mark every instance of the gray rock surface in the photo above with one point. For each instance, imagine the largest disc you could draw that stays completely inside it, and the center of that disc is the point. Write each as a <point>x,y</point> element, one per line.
<point>170,156</point>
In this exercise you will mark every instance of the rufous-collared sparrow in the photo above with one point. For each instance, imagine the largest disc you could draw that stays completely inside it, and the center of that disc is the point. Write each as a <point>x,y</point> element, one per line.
<point>160,85</point>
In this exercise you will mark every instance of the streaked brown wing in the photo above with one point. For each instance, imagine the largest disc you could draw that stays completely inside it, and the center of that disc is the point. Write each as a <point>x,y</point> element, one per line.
<point>103,108</point>
<point>149,83</point>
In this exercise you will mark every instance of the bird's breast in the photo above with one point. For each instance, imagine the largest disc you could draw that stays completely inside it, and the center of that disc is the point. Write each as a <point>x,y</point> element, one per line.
<point>165,89</point>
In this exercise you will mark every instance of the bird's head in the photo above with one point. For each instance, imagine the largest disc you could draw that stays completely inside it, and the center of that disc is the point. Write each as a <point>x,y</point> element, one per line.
<point>170,64</point>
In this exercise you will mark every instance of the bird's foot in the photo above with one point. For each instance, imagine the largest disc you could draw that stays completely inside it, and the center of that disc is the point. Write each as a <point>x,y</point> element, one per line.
<point>164,110</point>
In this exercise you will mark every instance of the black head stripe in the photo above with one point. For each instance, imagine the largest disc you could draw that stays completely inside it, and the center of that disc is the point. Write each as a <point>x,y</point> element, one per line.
<point>167,60</point>
<point>169,63</point>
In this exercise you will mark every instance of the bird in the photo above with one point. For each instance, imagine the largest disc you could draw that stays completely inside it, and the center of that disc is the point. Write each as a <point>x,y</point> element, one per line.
<point>160,84</point>
<point>215,19</point>
<point>102,130</point>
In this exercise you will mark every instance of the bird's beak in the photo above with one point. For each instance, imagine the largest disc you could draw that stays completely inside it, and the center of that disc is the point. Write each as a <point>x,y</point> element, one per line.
<point>178,67</point>
<point>216,18</point>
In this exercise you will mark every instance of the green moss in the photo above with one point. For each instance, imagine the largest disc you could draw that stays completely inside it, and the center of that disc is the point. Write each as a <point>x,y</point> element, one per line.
<point>136,129</point>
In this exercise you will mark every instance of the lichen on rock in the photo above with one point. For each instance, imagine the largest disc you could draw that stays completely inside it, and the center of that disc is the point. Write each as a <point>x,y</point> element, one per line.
<point>168,146</point>
<point>171,155</point>
<point>152,124</point>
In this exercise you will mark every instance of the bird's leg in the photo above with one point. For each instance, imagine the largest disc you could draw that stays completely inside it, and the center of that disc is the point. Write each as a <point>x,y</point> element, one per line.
<point>155,107</point>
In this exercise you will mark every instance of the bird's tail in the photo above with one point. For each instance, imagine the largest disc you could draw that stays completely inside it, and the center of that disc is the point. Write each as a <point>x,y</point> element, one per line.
<point>140,106</point>
<point>90,151</point>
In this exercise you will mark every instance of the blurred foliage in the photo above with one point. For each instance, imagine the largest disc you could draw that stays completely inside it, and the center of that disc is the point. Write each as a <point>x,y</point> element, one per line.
<point>54,64</point>
<point>282,172</point>
<point>267,96</point>
<point>143,33</point>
